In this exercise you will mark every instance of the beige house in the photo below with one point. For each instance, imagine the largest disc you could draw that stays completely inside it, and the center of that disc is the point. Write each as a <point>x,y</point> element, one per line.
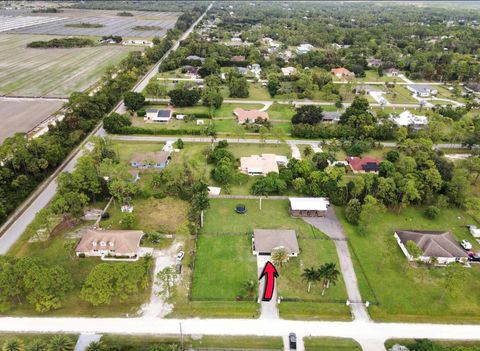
<point>267,240</point>
<point>259,164</point>
<point>110,243</point>
<point>249,116</point>
<point>287,71</point>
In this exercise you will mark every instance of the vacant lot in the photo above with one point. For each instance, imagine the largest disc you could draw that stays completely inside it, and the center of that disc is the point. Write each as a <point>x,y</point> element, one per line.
<point>51,72</point>
<point>330,344</point>
<point>20,116</point>
<point>111,23</point>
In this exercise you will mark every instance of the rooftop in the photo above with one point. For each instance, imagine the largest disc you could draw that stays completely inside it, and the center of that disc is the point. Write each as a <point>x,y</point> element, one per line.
<point>264,164</point>
<point>249,115</point>
<point>157,157</point>
<point>267,240</point>
<point>120,241</point>
<point>309,203</point>
<point>433,243</point>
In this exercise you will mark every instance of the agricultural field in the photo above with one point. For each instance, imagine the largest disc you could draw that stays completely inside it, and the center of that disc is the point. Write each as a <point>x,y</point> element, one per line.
<point>104,23</point>
<point>20,116</point>
<point>52,72</point>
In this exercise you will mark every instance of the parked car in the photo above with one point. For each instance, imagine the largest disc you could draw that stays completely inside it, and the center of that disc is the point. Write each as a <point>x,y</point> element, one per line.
<point>292,341</point>
<point>180,255</point>
<point>474,258</point>
<point>466,244</point>
<point>178,268</point>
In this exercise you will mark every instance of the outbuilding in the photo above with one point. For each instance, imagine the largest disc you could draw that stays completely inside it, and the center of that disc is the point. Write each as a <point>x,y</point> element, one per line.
<point>309,206</point>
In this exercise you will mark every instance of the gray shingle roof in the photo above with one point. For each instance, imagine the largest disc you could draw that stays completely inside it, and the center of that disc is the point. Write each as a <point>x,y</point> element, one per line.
<point>268,239</point>
<point>433,243</point>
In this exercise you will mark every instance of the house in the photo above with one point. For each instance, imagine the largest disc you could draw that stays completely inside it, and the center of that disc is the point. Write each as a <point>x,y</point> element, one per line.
<point>259,164</point>
<point>249,116</point>
<point>304,49</point>
<point>440,246</point>
<point>337,46</point>
<point>125,243</point>
<point>265,241</point>
<point>155,115</point>
<point>255,69</point>
<point>238,58</point>
<point>374,62</point>
<point>391,72</point>
<point>342,72</point>
<point>242,70</point>
<point>288,71</point>
<point>473,88</point>
<point>407,119</point>
<point>157,159</point>
<point>331,116</point>
<point>308,206</point>
<point>365,164</point>
<point>138,43</point>
<point>422,90</point>
<point>195,58</point>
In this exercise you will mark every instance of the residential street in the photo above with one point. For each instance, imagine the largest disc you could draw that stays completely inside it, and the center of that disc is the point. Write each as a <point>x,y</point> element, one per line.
<point>367,333</point>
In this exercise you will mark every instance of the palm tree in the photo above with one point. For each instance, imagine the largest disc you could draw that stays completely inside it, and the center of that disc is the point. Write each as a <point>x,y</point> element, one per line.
<point>60,343</point>
<point>280,257</point>
<point>250,288</point>
<point>311,276</point>
<point>329,273</point>
<point>95,346</point>
<point>13,345</point>
<point>37,345</point>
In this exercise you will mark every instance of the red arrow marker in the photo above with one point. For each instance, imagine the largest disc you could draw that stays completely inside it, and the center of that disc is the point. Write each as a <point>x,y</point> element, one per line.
<point>270,273</point>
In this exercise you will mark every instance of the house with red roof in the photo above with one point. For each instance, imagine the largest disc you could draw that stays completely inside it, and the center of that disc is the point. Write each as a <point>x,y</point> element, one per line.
<point>365,164</point>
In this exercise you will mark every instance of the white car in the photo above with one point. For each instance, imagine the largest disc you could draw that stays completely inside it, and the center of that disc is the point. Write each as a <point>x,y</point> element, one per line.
<point>466,244</point>
<point>180,255</point>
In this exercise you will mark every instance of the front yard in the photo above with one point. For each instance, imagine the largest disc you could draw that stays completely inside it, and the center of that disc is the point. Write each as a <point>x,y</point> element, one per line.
<point>406,293</point>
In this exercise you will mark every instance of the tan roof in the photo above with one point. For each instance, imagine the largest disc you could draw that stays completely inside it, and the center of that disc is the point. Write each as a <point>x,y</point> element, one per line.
<point>265,163</point>
<point>157,157</point>
<point>433,243</point>
<point>268,239</point>
<point>122,241</point>
<point>341,71</point>
<point>245,116</point>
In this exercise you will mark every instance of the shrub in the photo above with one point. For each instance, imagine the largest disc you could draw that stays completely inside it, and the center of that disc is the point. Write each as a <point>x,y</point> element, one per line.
<point>353,210</point>
<point>432,212</point>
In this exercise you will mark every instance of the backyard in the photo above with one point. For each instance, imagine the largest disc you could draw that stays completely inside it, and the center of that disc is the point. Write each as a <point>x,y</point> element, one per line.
<point>404,292</point>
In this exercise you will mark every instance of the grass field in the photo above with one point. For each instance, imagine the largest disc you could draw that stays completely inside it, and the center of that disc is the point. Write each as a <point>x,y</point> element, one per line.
<point>330,344</point>
<point>411,293</point>
<point>400,95</point>
<point>52,72</point>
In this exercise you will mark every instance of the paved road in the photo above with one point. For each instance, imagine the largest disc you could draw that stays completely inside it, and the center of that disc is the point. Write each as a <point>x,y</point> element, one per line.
<point>13,228</point>
<point>361,331</point>
<point>332,227</point>
<point>250,141</point>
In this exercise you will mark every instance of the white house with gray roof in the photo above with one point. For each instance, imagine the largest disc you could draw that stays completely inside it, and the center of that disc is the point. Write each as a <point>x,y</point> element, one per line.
<point>422,90</point>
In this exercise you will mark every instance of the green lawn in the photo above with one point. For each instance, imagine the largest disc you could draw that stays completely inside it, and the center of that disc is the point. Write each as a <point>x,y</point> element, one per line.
<point>474,344</point>
<point>126,149</point>
<point>372,76</point>
<point>400,95</point>
<point>222,265</point>
<point>330,344</point>
<point>411,294</point>
<point>283,112</point>
<point>143,342</point>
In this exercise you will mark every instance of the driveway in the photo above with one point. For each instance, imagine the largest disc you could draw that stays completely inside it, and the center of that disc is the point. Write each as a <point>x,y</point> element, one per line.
<point>157,307</point>
<point>268,309</point>
<point>332,227</point>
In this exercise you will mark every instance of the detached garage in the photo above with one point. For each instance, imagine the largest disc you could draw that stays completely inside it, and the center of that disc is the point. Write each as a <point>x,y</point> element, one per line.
<point>309,206</point>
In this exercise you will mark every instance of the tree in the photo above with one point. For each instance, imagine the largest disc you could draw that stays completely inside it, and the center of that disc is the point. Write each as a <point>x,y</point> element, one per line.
<point>329,273</point>
<point>183,97</point>
<point>371,208</point>
<point>128,221</point>
<point>95,346</point>
<point>179,144</point>
<point>72,203</point>
<point>98,288</point>
<point>114,122</point>
<point>310,275</point>
<point>273,86</point>
<point>472,164</point>
<point>321,160</point>
<point>60,343</point>
<point>13,345</point>
<point>249,287</point>
<point>353,211</point>
<point>165,281</point>
<point>37,345</point>
<point>212,97</point>
<point>155,89</point>
<point>238,87</point>
<point>432,212</point>
<point>133,101</point>
<point>280,257</point>
<point>413,249</point>
<point>308,114</point>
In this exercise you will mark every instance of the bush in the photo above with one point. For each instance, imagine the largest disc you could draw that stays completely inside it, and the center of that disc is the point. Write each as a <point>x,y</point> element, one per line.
<point>432,212</point>
<point>179,144</point>
<point>353,210</point>
<point>115,122</point>
<point>62,43</point>
<point>141,112</point>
